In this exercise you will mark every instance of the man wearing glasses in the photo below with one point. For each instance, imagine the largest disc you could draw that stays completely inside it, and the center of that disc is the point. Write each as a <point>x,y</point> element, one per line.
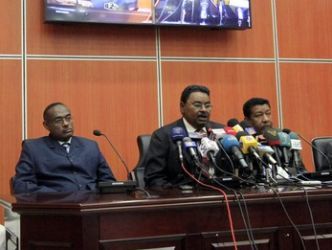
<point>60,162</point>
<point>162,162</point>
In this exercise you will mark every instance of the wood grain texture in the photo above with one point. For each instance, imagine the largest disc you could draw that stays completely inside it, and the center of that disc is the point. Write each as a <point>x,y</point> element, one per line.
<point>10,120</point>
<point>85,39</point>
<point>304,28</point>
<point>115,97</point>
<point>10,26</point>
<point>307,96</point>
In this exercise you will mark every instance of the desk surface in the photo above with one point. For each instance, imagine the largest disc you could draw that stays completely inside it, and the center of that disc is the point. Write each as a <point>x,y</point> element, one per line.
<point>185,220</point>
<point>89,202</point>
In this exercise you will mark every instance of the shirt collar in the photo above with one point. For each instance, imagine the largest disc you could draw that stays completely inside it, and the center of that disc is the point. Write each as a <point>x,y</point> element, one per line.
<point>63,142</point>
<point>190,128</point>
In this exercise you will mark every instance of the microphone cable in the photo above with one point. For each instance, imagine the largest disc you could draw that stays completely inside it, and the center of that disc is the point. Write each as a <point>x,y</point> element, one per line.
<point>289,218</point>
<point>311,218</point>
<point>229,214</point>
<point>248,220</point>
<point>318,150</point>
<point>99,133</point>
<point>245,216</point>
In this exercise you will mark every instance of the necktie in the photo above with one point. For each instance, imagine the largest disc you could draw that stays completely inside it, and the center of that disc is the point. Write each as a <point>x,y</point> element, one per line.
<point>201,132</point>
<point>66,146</point>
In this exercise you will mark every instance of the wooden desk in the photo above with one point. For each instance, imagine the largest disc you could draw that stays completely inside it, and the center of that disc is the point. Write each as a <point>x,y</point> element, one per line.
<point>171,219</point>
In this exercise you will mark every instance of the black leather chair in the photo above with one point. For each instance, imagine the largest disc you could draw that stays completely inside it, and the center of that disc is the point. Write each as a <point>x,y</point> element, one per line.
<point>322,152</point>
<point>137,174</point>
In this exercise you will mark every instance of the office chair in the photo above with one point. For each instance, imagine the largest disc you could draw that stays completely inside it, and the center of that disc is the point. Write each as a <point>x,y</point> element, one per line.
<point>321,154</point>
<point>137,174</point>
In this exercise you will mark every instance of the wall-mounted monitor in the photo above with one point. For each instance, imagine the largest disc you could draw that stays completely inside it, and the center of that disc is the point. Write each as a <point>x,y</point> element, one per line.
<point>232,14</point>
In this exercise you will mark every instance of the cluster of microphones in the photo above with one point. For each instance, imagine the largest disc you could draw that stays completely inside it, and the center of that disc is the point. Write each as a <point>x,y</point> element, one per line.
<point>237,151</point>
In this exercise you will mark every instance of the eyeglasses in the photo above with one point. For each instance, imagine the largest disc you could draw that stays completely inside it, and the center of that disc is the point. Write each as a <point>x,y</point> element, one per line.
<point>199,106</point>
<point>61,120</point>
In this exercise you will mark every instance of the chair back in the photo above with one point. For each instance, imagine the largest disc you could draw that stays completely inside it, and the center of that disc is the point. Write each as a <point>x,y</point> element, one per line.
<point>320,152</point>
<point>137,174</point>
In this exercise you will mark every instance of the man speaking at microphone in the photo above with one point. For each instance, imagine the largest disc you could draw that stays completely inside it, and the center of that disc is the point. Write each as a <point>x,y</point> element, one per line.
<point>257,112</point>
<point>60,162</point>
<point>162,163</point>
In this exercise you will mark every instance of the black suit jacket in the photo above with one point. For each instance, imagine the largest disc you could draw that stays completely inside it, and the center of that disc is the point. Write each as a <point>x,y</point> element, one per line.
<point>162,163</point>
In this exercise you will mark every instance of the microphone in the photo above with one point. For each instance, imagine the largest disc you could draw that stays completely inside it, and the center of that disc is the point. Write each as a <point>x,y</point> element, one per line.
<point>285,144</point>
<point>267,151</point>
<point>177,135</point>
<point>215,133</point>
<point>190,146</point>
<point>248,128</point>
<point>234,123</point>
<point>208,148</point>
<point>296,147</point>
<point>99,133</point>
<point>296,143</point>
<point>249,144</point>
<point>232,145</point>
<point>230,131</point>
<point>272,139</point>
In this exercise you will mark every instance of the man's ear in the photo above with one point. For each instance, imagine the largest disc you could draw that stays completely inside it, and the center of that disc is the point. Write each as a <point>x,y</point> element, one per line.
<point>181,107</point>
<point>45,125</point>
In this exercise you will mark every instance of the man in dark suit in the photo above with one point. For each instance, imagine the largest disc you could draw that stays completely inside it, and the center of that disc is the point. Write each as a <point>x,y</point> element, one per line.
<point>162,162</point>
<point>60,162</point>
<point>257,111</point>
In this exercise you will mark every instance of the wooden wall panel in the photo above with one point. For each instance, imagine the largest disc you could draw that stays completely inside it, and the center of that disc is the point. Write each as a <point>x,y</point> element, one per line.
<point>256,42</point>
<point>10,120</point>
<point>304,28</point>
<point>10,27</point>
<point>119,98</point>
<point>307,98</point>
<point>231,84</point>
<point>85,39</point>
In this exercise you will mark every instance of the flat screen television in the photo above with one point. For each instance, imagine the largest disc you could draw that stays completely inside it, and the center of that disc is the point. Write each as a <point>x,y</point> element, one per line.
<point>231,14</point>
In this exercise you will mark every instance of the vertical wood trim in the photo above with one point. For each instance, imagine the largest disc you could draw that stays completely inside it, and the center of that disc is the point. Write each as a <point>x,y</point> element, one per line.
<point>24,71</point>
<point>277,63</point>
<point>159,79</point>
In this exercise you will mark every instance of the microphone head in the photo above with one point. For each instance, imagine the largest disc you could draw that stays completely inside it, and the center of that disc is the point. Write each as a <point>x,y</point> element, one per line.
<point>245,124</point>
<point>240,134</point>
<point>265,149</point>
<point>217,133</point>
<point>207,146</point>
<point>248,128</point>
<point>232,122</point>
<point>230,131</point>
<point>286,130</point>
<point>284,139</point>
<point>178,134</point>
<point>97,132</point>
<point>188,143</point>
<point>228,142</point>
<point>271,135</point>
<point>248,142</point>
<point>295,141</point>
<point>294,136</point>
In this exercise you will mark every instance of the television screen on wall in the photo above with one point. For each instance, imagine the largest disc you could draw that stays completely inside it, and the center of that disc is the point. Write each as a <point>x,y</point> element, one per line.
<point>232,14</point>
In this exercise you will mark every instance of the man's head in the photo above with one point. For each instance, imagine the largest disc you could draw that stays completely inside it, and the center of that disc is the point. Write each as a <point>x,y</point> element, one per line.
<point>195,105</point>
<point>58,121</point>
<point>257,111</point>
